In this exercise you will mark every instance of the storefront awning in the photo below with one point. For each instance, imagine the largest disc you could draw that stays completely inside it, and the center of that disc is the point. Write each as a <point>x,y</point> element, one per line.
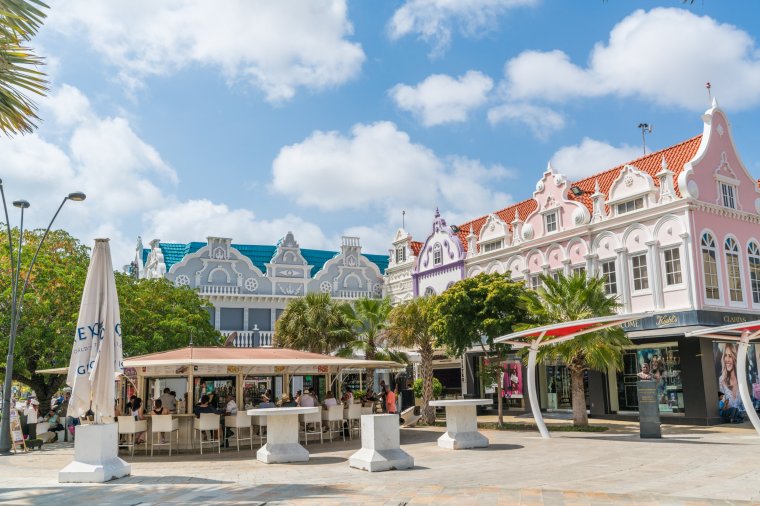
<point>558,332</point>
<point>288,359</point>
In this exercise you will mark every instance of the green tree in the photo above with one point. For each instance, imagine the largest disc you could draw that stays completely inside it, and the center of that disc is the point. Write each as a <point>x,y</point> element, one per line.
<point>313,323</point>
<point>367,319</point>
<point>575,298</point>
<point>409,326</point>
<point>474,311</point>
<point>49,310</point>
<point>157,316</point>
<point>19,74</point>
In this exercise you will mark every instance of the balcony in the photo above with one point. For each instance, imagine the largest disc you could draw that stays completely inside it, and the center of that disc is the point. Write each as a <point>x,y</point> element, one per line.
<point>250,338</point>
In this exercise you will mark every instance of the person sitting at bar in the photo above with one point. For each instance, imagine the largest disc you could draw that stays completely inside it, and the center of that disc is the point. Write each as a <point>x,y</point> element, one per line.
<point>307,401</point>
<point>286,402</point>
<point>265,402</point>
<point>159,409</point>
<point>232,410</point>
<point>330,400</point>
<point>203,407</point>
<point>348,397</point>
<point>298,398</point>
<point>139,414</point>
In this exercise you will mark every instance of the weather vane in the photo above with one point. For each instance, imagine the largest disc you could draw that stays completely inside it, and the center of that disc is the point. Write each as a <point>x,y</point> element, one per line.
<point>646,128</point>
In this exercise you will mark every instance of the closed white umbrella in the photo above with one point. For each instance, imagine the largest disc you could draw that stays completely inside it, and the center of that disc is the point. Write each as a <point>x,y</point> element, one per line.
<point>97,354</point>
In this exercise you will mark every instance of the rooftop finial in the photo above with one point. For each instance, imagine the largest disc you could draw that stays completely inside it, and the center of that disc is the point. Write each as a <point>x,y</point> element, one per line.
<point>403,219</point>
<point>437,214</point>
<point>596,185</point>
<point>549,166</point>
<point>709,95</point>
<point>664,164</point>
<point>517,215</point>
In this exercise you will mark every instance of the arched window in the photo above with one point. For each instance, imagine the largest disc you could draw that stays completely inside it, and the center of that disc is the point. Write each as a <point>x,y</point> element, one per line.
<point>437,254</point>
<point>429,291</point>
<point>732,268</point>
<point>400,254</point>
<point>710,267</point>
<point>753,256</point>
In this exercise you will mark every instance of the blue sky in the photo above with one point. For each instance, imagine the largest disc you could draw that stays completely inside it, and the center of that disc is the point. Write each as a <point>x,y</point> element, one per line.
<point>248,119</point>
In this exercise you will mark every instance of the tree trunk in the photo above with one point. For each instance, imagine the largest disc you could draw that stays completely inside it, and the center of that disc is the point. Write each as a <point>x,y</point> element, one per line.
<point>426,370</point>
<point>580,418</point>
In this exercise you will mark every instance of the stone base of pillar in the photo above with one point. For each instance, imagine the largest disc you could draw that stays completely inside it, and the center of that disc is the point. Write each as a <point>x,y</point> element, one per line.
<point>280,453</point>
<point>380,449</point>
<point>462,440</point>
<point>381,460</point>
<point>96,457</point>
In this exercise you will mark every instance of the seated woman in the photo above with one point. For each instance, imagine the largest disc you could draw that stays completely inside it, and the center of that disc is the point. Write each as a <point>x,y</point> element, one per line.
<point>139,414</point>
<point>54,420</point>
<point>159,409</point>
<point>203,407</point>
<point>286,402</point>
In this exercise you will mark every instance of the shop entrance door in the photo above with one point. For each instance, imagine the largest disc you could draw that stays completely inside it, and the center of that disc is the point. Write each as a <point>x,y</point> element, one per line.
<point>559,387</point>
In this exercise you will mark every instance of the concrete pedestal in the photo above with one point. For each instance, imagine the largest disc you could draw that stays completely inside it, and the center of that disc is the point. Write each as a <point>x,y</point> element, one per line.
<point>380,449</point>
<point>462,424</point>
<point>96,457</point>
<point>282,435</point>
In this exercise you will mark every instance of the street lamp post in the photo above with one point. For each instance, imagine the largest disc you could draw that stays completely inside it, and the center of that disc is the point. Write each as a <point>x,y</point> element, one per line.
<point>17,299</point>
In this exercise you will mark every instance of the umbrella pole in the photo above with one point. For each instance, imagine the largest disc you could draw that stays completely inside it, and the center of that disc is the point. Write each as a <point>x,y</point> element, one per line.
<point>741,373</point>
<point>534,404</point>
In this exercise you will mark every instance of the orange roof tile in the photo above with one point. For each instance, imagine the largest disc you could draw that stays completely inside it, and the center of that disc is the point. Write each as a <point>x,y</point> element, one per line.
<point>416,247</point>
<point>675,156</point>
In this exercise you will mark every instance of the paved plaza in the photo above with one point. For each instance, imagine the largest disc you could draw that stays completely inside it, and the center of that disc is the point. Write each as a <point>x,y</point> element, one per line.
<point>690,465</point>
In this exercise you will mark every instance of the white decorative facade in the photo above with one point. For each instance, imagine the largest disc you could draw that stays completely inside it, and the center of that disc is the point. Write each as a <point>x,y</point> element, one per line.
<point>250,285</point>
<point>675,233</point>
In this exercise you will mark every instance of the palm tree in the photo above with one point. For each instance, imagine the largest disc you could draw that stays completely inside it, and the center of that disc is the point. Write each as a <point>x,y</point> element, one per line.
<point>409,327</point>
<point>19,22</point>
<point>574,298</point>
<point>368,319</point>
<point>312,323</point>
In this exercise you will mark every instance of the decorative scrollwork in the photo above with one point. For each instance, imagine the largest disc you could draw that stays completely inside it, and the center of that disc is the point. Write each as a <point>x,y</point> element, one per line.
<point>182,280</point>
<point>251,284</point>
<point>325,287</point>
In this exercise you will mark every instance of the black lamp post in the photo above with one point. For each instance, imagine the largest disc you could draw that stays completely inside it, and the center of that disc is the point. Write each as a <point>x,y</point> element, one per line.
<point>17,299</point>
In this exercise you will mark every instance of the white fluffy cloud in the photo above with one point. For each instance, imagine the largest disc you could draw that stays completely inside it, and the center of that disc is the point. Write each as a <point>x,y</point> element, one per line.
<point>276,46</point>
<point>130,188</point>
<point>443,99</point>
<point>591,156</point>
<point>542,121</point>
<point>435,20</point>
<point>378,167</point>
<point>194,220</point>
<point>664,55</point>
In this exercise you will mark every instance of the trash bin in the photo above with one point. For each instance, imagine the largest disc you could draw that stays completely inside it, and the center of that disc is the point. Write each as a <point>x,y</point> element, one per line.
<point>407,398</point>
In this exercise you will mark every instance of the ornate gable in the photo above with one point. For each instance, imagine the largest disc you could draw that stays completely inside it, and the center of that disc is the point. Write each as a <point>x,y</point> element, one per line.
<point>288,261</point>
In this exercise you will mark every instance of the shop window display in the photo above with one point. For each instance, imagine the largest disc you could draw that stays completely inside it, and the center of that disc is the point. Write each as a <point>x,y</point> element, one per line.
<point>559,387</point>
<point>725,370</point>
<point>660,364</point>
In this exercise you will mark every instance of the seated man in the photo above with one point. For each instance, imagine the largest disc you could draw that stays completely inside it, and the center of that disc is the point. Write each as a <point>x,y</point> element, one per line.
<point>265,402</point>
<point>330,400</point>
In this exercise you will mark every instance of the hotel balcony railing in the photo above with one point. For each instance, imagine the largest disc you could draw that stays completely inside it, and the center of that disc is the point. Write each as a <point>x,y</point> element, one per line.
<point>250,338</point>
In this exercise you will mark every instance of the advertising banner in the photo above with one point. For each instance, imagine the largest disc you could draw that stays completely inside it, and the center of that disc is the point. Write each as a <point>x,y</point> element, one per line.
<point>513,380</point>
<point>725,370</point>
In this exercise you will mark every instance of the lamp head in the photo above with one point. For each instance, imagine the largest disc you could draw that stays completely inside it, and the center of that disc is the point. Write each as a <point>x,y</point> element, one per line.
<point>21,204</point>
<point>77,196</point>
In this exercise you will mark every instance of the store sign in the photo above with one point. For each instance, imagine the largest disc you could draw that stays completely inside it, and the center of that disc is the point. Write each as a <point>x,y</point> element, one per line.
<point>664,320</point>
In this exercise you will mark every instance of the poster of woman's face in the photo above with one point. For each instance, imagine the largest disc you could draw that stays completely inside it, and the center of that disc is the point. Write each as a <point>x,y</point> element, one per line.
<point>725,356</point>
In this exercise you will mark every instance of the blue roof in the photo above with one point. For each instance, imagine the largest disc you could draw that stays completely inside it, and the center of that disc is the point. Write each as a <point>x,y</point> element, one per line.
<point>259,255</point>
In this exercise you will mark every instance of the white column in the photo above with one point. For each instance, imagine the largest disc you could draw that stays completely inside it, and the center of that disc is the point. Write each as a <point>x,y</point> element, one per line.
<point>245,321</point>
<point>591,265</point>
<point>535,407</point>
<point>741,373</point>
<point>566,266</point>
<point>217,317</point>
<point>687,267</point>
<point>654,273</point>
<point>622,271</point>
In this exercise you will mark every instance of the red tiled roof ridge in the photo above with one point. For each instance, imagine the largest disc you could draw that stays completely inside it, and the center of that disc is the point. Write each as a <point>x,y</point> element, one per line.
<point>636,161</point>
<point>650,163</point>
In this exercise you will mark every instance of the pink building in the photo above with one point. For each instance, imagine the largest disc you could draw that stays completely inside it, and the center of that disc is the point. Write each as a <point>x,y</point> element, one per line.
<point>675,232</point>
